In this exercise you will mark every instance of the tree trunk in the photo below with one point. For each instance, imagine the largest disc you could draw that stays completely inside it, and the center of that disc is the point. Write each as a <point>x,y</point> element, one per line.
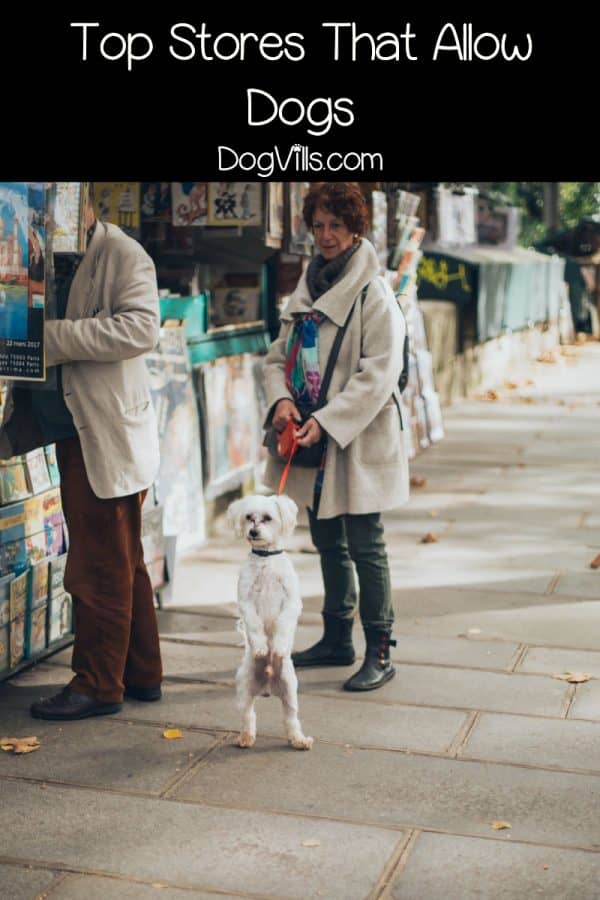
<point>552,205</point>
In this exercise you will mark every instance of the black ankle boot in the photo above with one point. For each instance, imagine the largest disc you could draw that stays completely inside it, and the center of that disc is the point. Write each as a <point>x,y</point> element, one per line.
<point>377,667</point>
<point>335,647</point>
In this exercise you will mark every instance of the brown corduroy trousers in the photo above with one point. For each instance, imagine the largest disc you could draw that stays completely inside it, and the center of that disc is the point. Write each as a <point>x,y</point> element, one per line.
<point>116,633</point>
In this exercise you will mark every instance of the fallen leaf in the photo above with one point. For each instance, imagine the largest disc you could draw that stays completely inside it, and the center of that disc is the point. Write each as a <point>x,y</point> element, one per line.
<point>491,395</point>
<point>172,733</point>
<point>595,563</point>
<point>499,825</point>
<point>417,482</point>
<point>530,381</point>
<point>311,843</point>
<point>511,385</point>
<point>20,745</point>
<point>429,538</point>
<point>574,677</point>
<point>547,357</point>
<point>546,867</point>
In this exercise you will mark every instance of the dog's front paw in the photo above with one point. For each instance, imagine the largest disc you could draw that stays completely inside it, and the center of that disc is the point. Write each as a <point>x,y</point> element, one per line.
<point>301,743</point>
<point>246,739</point>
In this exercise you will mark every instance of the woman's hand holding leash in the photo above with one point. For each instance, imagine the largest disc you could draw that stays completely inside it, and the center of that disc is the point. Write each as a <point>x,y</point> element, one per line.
<point>284,411</point>
<point>310,433</point>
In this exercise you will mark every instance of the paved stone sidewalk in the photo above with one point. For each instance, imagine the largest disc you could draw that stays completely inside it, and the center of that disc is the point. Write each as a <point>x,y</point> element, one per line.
<point>398,795</point>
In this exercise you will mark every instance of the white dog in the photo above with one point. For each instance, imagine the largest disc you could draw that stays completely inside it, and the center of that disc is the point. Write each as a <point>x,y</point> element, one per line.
<point>270,604</point>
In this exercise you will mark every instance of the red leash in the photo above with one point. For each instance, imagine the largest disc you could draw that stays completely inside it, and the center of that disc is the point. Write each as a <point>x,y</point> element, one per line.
<point>286,471</point>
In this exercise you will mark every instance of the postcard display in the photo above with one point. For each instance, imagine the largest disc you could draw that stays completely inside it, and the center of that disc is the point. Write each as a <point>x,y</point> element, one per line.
<point>35,610</point>
<point>420,403</point>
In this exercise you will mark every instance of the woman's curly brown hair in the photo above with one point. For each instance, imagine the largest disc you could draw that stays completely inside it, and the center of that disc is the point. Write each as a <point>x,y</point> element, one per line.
<point>342,198</point>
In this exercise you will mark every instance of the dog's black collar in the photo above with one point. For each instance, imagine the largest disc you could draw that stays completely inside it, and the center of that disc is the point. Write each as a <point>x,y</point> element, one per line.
<point>266,552</point>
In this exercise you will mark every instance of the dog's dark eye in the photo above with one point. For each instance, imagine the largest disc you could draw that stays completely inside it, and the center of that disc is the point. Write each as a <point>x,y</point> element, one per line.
<point>266,518</point>
<point>248,518</point>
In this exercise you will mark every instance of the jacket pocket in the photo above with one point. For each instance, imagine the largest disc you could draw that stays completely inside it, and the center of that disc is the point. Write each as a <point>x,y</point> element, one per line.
<point>380,444</point>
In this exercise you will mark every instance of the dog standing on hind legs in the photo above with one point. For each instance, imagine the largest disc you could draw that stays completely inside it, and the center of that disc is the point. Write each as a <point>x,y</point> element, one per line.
<point>270,605</point>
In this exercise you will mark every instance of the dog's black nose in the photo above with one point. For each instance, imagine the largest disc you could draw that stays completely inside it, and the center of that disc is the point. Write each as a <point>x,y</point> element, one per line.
<point>253,533</point>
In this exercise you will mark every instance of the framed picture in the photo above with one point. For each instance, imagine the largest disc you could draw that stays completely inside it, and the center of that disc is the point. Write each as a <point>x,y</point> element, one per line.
<point>300,237</point>
<point>189,202</point>
<point>119,202</point>
<point>68,233</point>
<point>156,201</point>
<point>274,230</point>
<point>456,216</point>
<point>234,306</point>
<point>234,203</point>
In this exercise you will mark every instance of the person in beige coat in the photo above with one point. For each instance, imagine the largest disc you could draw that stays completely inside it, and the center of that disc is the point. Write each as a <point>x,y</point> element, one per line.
<point>99,413</point>
<point>364,469</point>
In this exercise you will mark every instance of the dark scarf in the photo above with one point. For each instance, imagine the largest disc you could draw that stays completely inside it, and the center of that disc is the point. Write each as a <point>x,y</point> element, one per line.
<point>323,273</point>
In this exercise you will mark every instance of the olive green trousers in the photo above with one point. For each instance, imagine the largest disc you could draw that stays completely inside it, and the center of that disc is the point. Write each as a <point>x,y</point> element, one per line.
<point>345,543</point>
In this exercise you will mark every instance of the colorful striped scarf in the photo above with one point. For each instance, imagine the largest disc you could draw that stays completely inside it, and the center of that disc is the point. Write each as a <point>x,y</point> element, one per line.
<point>302,373</point>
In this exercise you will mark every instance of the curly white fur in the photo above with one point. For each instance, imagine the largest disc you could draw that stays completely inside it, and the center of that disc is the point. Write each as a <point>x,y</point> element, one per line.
<point>270,605</point>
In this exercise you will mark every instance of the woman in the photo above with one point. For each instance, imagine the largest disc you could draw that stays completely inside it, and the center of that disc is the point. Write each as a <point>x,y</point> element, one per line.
<point>364,469</point>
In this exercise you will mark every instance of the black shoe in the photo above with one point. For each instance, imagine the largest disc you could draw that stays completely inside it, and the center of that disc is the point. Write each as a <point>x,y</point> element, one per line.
<point>377,667</point>
<point>147,695</point>
<point>334,649</point>
<point>69,704</point>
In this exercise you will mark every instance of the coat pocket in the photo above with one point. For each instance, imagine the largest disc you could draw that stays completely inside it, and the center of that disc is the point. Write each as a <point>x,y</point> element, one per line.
<point>380,444</point>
